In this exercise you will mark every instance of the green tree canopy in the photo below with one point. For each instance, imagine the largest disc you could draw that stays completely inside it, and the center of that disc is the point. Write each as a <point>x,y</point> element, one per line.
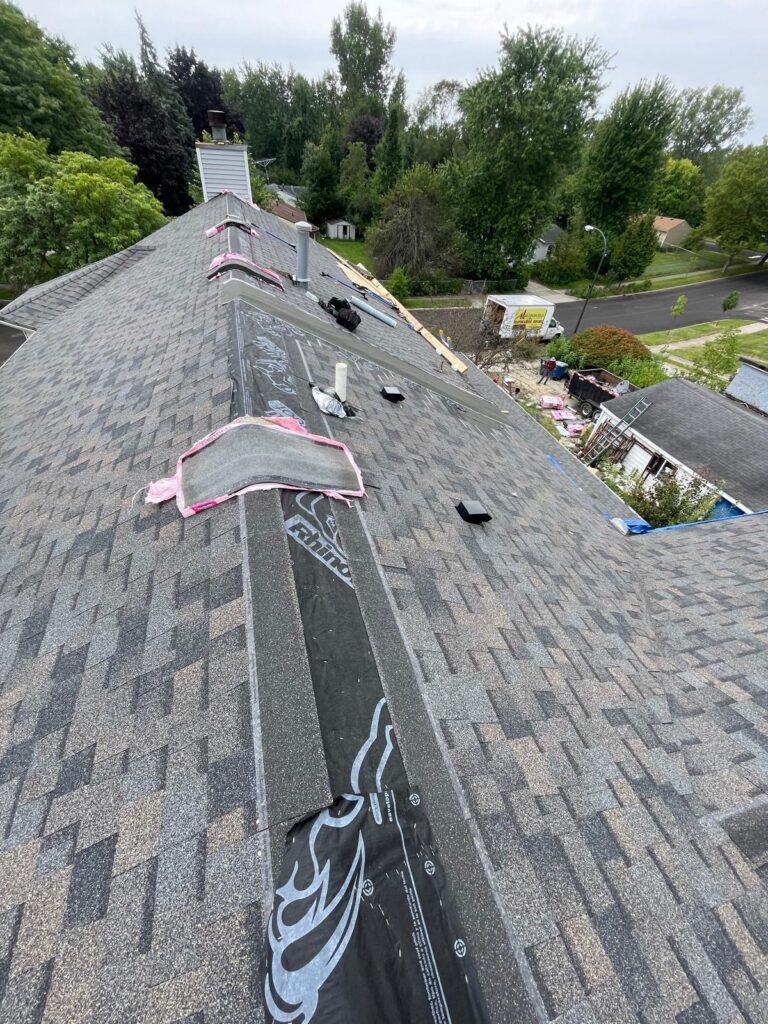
<point>435,128</point>
<point>737,204</point>
<point>708,120</point>
<point>321,177</point>
<point>634,249</point>
<point>200,87</point>
<point>141,124</point>
<point>523,123</point>
<point>389,152</point>
<point>625,155</point>
<point>415,231</point>
<point>72,210</point>
<point>679,191</point>
<point>363,47</point>
<point>669,499</point>
<point>355,184</point>
<point>40,91</point>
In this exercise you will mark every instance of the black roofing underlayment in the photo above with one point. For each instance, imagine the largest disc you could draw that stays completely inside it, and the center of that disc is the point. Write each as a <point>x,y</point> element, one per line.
<point>362,927</point>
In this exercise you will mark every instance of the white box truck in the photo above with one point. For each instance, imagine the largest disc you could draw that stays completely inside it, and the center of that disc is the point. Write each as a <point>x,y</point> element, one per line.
<point>512,316</point>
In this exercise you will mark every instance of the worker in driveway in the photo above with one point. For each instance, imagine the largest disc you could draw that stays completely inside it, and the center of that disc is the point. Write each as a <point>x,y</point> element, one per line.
<point>547,366</point>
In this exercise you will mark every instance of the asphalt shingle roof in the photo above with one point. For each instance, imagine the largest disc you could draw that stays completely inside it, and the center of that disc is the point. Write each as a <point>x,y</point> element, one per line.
<point>707,432</point>
<point>601,701</point>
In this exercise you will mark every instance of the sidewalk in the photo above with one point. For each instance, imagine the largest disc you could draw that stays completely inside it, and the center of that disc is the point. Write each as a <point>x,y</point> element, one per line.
<point>758,325</point>
<point>550,294</point>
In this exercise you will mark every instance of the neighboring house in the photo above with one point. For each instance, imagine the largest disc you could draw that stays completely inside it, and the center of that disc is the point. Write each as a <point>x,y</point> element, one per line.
<point>692,431</point>
<point>750,385</point>
<point>291,195</point>
<point>671,231</point>
<point>291,213</point>
<point>544,245</point>
<point>340,229</point>
<point>577,714</point>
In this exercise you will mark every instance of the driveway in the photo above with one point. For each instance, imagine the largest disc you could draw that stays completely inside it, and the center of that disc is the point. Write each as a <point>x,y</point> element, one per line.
<point>650,311</point>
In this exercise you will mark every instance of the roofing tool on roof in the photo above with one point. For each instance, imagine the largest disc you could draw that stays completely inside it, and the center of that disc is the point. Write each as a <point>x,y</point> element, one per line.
<point>254,453</point>
<point>342,312</point>
<point>376,287</point>
<point>360,290</point>
<point>236,261</point>
<point>232,222</point>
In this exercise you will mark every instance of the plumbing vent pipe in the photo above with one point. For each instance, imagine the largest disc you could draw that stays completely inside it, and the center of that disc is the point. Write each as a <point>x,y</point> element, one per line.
<point>303,229</point>
<point>340,383</point>
<point>372,311</point>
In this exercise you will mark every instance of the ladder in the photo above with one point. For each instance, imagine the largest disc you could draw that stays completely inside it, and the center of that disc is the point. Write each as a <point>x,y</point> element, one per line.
<point>608,437</point>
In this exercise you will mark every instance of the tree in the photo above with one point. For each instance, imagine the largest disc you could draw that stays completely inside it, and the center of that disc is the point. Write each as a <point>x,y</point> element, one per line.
<point>399,284</point>
<point>737,205</point>
<point>319,174</point>
<point>634,249</point>
<point>23,159</point>
<point>355,185</point>
<point>389,152</point>
<point>708,121</point>
<point>415,231</point>
<point>366,129</point>
<point>40,91</point>
<point>716,363</point>
<point>669,499</point>
<point>74,209</point>
<point>200,88</point>
<point>523,123</point>
<point>625,155</point>
<point>731,301</point>
<point>679,191</point>
<point>363,49</point>
<point>142,125</point>
<point>435,130</point>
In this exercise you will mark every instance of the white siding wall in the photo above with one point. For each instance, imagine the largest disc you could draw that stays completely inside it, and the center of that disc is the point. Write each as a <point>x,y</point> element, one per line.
<point>636,459</point>
<point>224,168</point>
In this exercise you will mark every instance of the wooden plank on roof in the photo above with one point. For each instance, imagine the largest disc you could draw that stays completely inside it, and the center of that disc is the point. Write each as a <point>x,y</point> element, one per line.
<point>373,285</point>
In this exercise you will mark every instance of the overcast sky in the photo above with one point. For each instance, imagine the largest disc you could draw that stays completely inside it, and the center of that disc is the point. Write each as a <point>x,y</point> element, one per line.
<point>694,42</point>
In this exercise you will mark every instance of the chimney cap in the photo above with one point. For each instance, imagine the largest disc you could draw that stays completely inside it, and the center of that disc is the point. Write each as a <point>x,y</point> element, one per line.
<point>217,118</point>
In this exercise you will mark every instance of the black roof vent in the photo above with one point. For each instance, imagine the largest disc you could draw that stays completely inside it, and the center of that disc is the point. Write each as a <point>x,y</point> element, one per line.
<point>392,394</point>
<point>473,512</point>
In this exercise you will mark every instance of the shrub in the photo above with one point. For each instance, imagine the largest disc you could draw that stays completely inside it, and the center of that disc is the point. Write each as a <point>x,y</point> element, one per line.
<point>561,349</point>
<point>567,262</point>
<point>668,500</point>
<point>626,288</point>
<point>603,345</point>
<point>399,285</point>
<point>634,249</point>
<point>519,277</point>
<point>435,284</point>
<point>640,372</point>
<point>731,301</point>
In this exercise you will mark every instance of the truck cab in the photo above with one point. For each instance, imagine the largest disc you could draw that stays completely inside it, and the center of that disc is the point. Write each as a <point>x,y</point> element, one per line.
<point>554,331</point>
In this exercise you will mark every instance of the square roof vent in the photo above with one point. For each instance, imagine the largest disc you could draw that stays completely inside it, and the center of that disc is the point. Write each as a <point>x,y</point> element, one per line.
<point>473,512</point>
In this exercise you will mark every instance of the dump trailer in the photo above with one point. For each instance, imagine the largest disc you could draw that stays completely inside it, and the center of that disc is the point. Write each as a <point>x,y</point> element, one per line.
<point>593,387</point>
<point>513,316</point>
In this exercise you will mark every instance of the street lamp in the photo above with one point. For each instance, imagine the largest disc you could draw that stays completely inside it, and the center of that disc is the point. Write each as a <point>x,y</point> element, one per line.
<point>591,227</point>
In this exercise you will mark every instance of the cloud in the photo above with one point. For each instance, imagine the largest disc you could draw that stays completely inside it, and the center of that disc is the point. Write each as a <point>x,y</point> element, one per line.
<point>694,42</point>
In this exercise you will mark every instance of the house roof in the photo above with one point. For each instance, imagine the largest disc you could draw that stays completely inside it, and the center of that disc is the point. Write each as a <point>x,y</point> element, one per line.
<point>706,432</point>
<point>287,212</point>
<point>552,234</point>
<point>750,384</point>
<point>339,220</point>
<point>667,223</point>
<point>577,716</point>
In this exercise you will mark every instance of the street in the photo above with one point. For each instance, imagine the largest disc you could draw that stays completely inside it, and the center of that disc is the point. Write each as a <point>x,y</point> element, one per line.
<point>650,311</point>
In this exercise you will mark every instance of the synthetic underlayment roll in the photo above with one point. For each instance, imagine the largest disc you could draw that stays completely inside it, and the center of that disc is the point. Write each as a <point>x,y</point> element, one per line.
<point>254,453</point>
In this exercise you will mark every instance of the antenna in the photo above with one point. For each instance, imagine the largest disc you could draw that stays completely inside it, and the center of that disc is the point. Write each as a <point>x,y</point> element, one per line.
<point>264,164</point>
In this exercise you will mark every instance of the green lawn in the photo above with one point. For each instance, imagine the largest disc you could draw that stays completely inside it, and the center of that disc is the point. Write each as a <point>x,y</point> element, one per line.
<point>451,302</point>
<point>355,252</point>
<point>677,262</point>
<point>685,333</point>
<point>755,345</point>
<point>710,275</point>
